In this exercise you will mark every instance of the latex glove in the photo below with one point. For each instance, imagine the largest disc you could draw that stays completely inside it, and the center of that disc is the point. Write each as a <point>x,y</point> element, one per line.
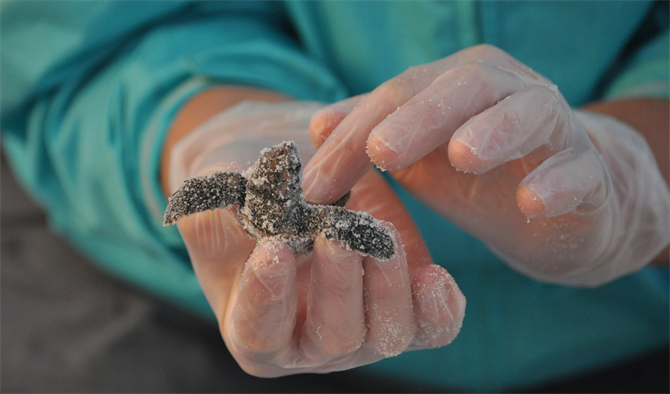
<point>563,196</point>
<point>329,310</point>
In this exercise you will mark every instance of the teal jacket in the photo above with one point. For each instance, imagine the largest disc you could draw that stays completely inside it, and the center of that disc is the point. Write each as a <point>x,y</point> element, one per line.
<point>89,89</point>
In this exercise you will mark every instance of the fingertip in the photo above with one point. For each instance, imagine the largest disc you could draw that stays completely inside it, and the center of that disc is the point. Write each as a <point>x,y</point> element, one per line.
<point>331,173</point>
<point>315,189</point>
<point>384,155</point>
<point>463,158</point>
<point>529,202</point>
<point>571,180</point>
<point>325,120</point>
<point>439,305</point>
<point>322,124</point>
<point>433,276</point>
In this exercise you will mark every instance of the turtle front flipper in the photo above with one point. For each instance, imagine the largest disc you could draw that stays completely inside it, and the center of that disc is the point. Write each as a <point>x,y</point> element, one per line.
<point>356,231</point>
<point>218,190</point>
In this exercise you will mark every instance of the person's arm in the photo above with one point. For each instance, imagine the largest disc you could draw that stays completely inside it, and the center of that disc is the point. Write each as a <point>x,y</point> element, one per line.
<point>651,118</point>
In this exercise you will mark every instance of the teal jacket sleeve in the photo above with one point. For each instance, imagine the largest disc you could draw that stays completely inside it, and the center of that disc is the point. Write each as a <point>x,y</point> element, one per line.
<point>92,87</point>
<point>643,70</point>
<point>647,74</point>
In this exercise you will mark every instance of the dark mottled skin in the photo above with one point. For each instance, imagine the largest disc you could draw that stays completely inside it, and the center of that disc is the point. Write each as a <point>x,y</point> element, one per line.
<point>271,205</point>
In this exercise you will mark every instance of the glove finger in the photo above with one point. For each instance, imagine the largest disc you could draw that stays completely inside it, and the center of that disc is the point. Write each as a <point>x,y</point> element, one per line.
<point>335,320</point>
<point>326,119</point>
<point>532,120</point>
<point>572,179</point>
<point>342,159</point>
<point>218,248</point>
<point>388,301</point>
<point>430,118</point>
<point>263,319</point>
<point>439,307</point>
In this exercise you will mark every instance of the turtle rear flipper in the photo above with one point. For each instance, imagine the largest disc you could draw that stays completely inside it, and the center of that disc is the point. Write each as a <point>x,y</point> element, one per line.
<point>218,190</point>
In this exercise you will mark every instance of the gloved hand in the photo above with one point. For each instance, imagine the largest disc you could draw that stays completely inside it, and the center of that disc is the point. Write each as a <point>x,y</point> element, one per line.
<point>329,310</point>
<point>563,196</point>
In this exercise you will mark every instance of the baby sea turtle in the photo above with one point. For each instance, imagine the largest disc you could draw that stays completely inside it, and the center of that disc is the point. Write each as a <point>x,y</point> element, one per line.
<point>270,204</point>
